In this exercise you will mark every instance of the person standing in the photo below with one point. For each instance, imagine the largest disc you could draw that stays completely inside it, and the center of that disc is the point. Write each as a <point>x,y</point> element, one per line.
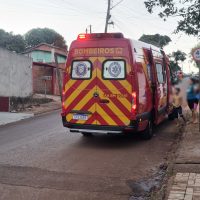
<point>177,106</point>
<point>192,99</point>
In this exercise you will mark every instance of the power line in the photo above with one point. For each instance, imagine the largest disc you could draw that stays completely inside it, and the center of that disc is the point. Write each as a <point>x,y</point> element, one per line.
<point>108,15</point>
<point>116,4</point>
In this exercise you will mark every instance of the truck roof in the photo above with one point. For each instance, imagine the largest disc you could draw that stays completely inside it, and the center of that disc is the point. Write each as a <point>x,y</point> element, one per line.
<point>96,36</point>
<point>140,44</point>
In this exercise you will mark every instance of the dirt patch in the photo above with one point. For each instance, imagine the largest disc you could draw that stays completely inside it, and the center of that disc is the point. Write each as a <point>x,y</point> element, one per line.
<point>18,104</point>
<point>156,186</point>
<point>143,189</point>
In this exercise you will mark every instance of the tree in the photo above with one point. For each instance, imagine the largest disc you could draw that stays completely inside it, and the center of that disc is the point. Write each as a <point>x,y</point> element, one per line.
<point>44,35</point>
<point>187,11</point>
<point>12,42</point>
<point>174,66</point>
<point>157,40</point>
<point>179,56</point>
<point>175,58</point>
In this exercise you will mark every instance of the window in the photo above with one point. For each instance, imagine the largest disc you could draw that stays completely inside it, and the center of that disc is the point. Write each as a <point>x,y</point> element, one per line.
<point>160,73</point>
<point>114,69</point>
<point>81,69</point>
<point>149,71</point>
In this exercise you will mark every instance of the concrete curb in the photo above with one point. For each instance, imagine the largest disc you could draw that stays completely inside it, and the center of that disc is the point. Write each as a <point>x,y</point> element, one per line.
<point>36,115</point>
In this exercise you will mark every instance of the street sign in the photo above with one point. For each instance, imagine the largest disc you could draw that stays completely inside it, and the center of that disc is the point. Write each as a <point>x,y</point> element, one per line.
<point>196,54</point>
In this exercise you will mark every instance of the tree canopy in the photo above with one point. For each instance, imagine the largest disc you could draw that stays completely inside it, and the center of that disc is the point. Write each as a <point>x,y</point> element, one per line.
<point>44,35</point>
<point>179,56</point>
<point>157,40</point>
<point>18,43</point>
<point>12,42</point>
<point>175,58</point>
<point>187,11</point>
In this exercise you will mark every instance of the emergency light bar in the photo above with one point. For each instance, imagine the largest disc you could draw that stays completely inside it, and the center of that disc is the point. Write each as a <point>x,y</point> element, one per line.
<point>99,35</point>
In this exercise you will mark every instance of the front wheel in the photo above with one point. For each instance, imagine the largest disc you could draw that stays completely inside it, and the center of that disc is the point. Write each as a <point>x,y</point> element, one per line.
<point>147,134</point>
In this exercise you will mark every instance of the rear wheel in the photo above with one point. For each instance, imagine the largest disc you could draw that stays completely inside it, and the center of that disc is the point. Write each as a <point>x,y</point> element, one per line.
<point>147,134</point>
<point>87,134</point>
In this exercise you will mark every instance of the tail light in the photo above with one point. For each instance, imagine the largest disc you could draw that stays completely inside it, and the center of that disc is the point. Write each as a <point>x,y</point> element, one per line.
<point>63,97</point>
<point>134,105</point>
<point>63,109</point>
<point>63,105</point>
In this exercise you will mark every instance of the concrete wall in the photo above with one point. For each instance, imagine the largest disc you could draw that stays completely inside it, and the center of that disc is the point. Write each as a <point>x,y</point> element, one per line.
<point>15,74</point>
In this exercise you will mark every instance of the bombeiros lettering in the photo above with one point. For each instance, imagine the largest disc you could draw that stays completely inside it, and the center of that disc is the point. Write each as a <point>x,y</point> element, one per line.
<point>98,51</point>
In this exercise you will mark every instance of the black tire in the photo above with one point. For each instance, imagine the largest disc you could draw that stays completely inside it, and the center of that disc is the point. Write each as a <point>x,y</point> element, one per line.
<point>147,134</point>
<point>87,134</point>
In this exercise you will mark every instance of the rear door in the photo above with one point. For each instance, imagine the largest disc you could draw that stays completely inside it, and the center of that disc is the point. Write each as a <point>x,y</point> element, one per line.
<point>114,90</point>
<point>79,91</point>
<point>161,90</point>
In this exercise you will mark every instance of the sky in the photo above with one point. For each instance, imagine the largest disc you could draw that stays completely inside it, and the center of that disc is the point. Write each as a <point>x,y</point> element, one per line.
<point>69,18</point>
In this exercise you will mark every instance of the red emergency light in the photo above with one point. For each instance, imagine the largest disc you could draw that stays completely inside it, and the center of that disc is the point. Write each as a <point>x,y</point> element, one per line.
<point>83,36</point>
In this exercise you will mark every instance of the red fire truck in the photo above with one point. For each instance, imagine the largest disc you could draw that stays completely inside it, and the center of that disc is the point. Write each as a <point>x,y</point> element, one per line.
<point>115,85</point>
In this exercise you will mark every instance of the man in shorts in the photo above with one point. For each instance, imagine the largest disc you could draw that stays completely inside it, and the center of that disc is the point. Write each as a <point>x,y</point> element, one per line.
<point>192,99</point>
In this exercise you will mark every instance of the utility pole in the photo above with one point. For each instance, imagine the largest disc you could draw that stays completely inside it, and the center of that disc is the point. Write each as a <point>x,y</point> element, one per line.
<point>58,75</point>
<point>108,16</point>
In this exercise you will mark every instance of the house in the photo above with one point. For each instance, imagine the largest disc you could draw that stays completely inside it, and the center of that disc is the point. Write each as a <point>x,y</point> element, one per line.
<point>15,78</point>
<point>44,69</point>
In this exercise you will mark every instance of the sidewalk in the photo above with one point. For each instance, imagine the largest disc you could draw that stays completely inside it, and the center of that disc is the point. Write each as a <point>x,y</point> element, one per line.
<point>186,184</point>
<point>32,110</point>
<point>7,117</point>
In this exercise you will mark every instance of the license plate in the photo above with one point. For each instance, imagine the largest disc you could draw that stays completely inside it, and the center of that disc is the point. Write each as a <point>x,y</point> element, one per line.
<point>80,117</point>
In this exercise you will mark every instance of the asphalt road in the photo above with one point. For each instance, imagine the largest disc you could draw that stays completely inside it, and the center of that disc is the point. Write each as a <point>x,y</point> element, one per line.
<point>39,159</point>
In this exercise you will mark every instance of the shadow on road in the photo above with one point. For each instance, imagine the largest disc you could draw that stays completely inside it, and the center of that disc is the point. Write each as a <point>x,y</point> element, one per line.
<point>125,141</point>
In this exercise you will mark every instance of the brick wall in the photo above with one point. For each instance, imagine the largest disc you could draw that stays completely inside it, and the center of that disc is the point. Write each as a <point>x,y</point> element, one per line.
<point>38,83</point>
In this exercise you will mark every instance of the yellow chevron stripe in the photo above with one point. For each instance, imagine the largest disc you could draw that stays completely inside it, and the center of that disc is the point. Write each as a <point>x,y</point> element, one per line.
<point>101,59</point>
<point>111,87</point>
<point>93,59</point>
<point>115,109</point>
<point>78,90</point>
<point>105,116</point>
<point>69,117</point>
<point>85,99</point>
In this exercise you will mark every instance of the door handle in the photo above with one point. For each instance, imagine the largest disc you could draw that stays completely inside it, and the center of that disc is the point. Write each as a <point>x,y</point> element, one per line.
<point>104,101</point>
